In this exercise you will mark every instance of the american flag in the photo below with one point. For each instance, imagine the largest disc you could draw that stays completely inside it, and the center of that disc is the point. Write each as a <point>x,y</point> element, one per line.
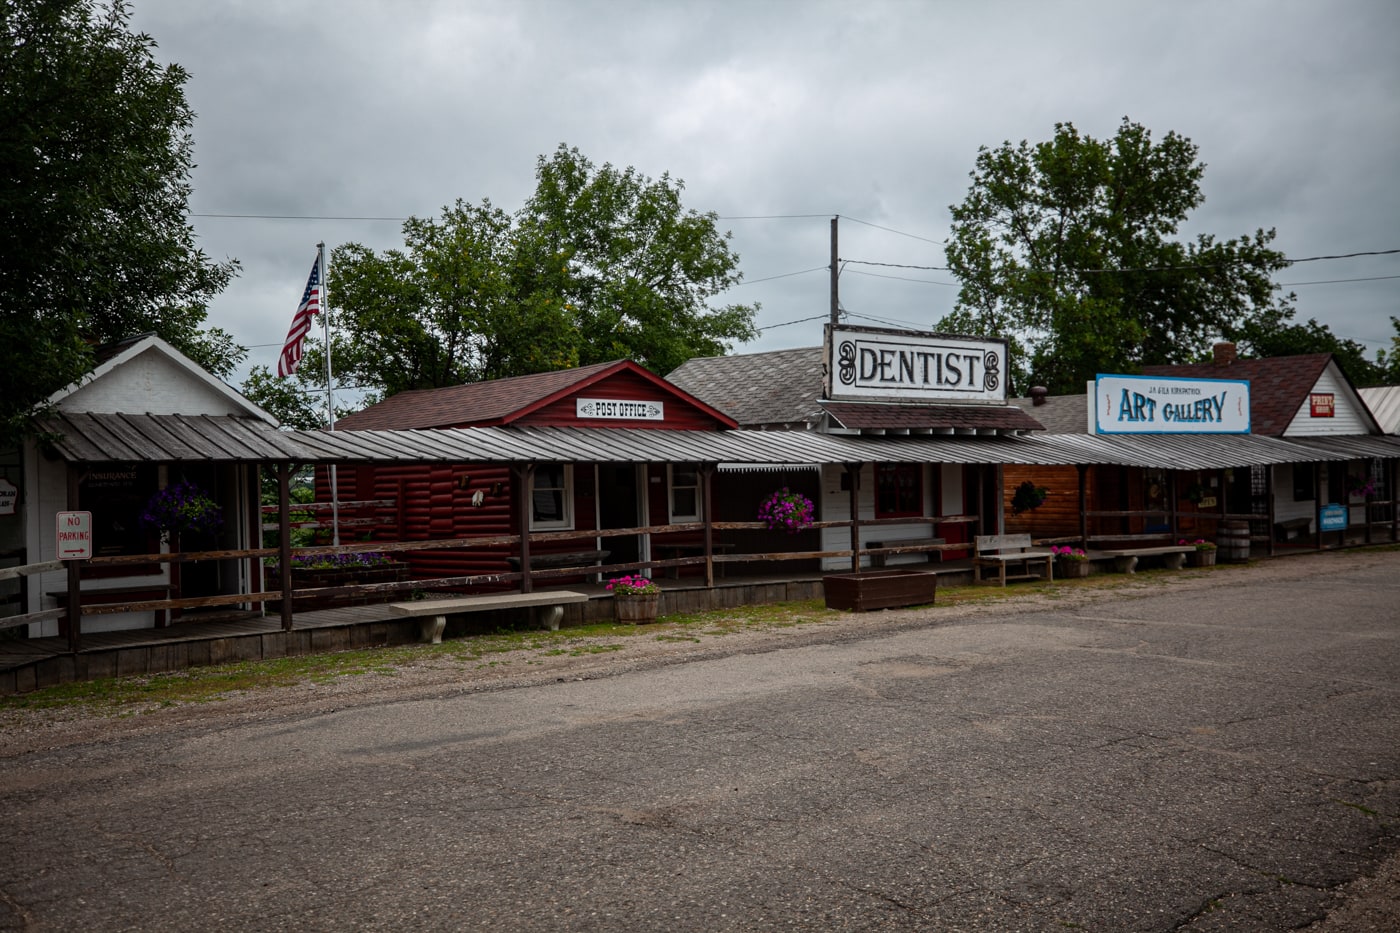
<point>290,359</point>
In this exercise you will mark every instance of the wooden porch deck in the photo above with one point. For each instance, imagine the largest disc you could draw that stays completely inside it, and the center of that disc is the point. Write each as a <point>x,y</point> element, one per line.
<point>28,664</point>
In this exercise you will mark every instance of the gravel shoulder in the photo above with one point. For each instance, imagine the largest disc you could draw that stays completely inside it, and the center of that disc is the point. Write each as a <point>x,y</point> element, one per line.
<point>1373,902</point>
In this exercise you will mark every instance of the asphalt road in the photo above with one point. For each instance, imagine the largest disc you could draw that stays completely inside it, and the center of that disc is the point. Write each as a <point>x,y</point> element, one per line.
<point>1214,757</point>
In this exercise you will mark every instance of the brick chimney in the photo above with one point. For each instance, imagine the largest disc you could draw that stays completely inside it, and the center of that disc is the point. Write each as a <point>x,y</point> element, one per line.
<point>1225,353</point>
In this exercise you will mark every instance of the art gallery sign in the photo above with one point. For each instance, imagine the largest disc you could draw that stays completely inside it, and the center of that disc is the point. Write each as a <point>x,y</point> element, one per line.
<point>872,363</point>
<point>1167,405</point>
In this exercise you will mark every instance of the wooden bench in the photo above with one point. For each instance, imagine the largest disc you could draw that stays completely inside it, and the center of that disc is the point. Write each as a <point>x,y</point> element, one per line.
<point>880,551</point>
<point>119,595</point>
<point>1005,551</point>
<point>1125,560</point>
<point>690,549</point>
<point>435,611</point>
<point>1291,528</point>
<point>569,559</point>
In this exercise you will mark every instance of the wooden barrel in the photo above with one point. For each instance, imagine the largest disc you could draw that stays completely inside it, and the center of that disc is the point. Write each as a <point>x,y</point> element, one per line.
<point>1232,541</point>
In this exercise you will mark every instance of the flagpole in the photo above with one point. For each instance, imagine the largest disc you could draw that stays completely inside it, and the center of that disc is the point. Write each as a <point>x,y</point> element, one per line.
<point>330,391</point>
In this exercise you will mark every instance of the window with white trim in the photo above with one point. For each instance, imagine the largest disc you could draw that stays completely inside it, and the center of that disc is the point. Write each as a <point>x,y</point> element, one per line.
<point>685,492</point>
<point>551,496</point>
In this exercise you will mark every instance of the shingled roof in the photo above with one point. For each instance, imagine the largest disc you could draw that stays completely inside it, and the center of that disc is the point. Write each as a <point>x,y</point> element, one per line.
<point>783,389</point>
<point>780,388</point>
<point>480,404</point>
<point>1278,386</point>
<point>919,418</point>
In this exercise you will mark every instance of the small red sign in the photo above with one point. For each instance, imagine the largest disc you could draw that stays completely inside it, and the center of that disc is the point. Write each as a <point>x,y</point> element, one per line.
<point>74,535</point>
<point>1324,404</point>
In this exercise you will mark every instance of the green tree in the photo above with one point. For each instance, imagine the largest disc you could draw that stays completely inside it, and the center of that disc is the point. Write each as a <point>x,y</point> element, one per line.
<point>296,404</point>
<point>600,264</point>
<point>95,243</point>
<point>1275,333</point>
<point>1067,248</point>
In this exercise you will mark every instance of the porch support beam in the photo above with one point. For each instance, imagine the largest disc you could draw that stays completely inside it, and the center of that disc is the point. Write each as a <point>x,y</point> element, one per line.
<point>284,540</point>
<point>707,474</point>
<point>75,583</point>
<point>853,471</point>
<point>520,476</point>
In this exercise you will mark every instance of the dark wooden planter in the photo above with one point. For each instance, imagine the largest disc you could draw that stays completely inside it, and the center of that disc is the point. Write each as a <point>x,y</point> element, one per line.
<point>637,608</point>
<point>879,589</point>
<point>1071,569</point>
<point>350,576</point>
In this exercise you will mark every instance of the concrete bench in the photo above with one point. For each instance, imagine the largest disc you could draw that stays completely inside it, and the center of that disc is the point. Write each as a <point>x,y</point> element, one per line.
<point>435,611</point>
<point>1125,560</point>
<point>1004,551</point>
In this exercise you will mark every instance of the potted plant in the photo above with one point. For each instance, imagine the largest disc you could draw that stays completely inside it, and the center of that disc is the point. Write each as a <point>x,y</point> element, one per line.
<point>182,507</point>
<point>1203,556</point>
<point>315,571</point>
<point>636,599</point>
<point>787,511</point>
<point>1028,496</point>
<point>1072,560</point>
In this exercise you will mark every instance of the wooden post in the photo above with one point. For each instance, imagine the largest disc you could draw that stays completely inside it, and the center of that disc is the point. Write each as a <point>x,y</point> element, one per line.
<point>1273,511</point>
<point>853,471</point>
<point>1317,502</point>
<point>520,477</point>
<point>284,540</point>
<point>1172,505</point>
<point>75,583</point>
<point>1083,469</point>
<point>1394,500</point>
<point>707,472</point>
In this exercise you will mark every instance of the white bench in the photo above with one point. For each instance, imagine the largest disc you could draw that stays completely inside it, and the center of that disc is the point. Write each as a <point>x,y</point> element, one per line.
<point>1125,560</point>
<point>1003,551</point>
<point>436,611</point>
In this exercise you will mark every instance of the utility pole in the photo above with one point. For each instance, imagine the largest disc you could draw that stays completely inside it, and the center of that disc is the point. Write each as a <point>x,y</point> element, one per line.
<point>835,297</point>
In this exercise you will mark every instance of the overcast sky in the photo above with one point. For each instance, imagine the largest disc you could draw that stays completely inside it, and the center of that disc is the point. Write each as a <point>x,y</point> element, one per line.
<point>778,115</point>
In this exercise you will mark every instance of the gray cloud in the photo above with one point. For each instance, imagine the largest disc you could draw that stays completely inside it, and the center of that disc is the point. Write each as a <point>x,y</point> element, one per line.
<point>872,111</point>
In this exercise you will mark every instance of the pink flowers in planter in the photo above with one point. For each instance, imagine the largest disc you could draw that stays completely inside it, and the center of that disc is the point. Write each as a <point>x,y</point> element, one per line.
<point>632,586</point>
<point>1201,544</point>
<point>787,510</point>
<point>1069,553</point>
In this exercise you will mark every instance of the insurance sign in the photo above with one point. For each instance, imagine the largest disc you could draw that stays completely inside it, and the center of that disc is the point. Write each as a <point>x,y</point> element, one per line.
<point>1165,405</point>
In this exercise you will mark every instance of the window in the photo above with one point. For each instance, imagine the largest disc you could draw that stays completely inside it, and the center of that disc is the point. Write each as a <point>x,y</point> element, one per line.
<point>899,489</point>
<point>1304,480</point>
<point>551,499</point>
<point>685,492</point>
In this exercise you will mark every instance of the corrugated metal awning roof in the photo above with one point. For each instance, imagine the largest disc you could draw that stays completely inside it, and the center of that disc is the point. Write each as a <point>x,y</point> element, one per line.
<point>172,438</point>
<point>91,438</point>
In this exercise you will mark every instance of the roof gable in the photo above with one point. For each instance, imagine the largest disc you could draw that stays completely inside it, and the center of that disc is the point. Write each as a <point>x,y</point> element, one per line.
<point>146,375</point>
<point>531,399</point>
<point>1279,386</point>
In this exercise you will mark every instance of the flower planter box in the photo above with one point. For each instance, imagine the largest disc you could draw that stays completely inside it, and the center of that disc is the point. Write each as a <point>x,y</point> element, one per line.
<point>1071,569</point>
<point>880,589</point>
<point>1201,558</point>
<point>637,608</point>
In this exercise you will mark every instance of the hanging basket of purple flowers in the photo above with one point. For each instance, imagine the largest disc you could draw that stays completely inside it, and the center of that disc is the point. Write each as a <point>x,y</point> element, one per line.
<point>182,507</point>
<point>788,511</point>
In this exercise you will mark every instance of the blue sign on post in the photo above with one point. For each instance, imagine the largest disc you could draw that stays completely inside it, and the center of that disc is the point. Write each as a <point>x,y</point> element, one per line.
<point>1332,517</point>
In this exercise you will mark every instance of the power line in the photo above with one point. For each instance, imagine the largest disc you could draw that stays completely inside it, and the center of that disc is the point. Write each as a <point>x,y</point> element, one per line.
<point>901,278</point>
<point>785,275</point>
<point>912,236</point>
<point>1369,278</point>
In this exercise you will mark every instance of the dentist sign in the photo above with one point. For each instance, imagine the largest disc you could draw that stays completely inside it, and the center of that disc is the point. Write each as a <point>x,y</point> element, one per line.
<point>1163,405</point>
